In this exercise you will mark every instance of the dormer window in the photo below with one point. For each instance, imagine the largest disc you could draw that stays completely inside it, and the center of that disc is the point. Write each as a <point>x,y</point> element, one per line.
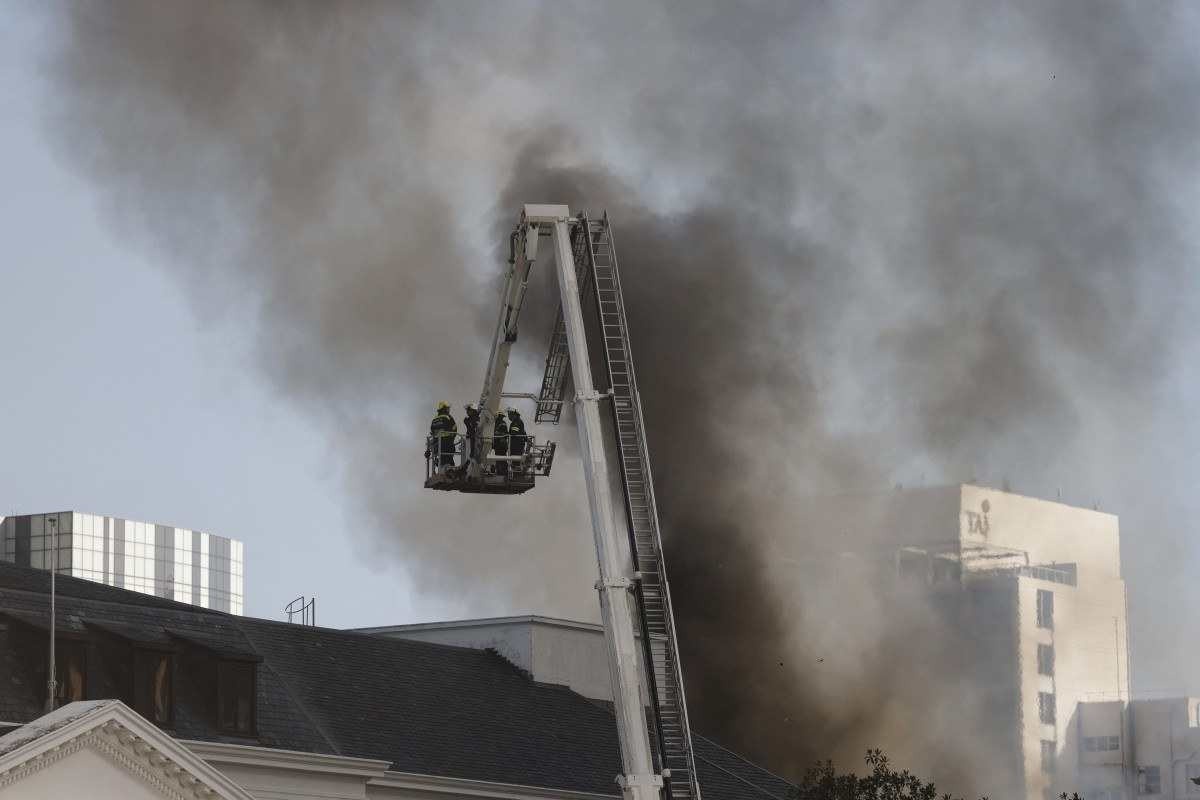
<point>70,658</point>
<point>153,685</point>
<point>236,697</point>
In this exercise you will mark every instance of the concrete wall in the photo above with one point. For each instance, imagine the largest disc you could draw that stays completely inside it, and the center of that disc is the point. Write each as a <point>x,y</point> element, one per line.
<point>1050,532</point>
<point>1167,736</point>
<point>993,614</point>
<point>574,657</point>
<point>1089,639</point>
<point>272,783</point>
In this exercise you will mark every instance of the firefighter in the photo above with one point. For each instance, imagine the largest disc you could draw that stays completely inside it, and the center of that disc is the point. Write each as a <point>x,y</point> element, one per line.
<point>442,431</point>
<point>516,436</point>
<point>500,443</point>
<point>471,424</point>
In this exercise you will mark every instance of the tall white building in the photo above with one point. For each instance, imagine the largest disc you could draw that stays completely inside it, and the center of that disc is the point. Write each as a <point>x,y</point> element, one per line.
<point>1033,595</point>
<point>161,560</point>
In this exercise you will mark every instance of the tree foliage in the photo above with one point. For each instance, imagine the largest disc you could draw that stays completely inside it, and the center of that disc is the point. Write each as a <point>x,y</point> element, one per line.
<point>822,782</point>
<point>882,782</point>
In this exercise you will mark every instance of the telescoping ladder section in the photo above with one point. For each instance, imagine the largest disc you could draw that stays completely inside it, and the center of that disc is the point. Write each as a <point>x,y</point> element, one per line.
<point>595,254</point>
<point>558,358</point>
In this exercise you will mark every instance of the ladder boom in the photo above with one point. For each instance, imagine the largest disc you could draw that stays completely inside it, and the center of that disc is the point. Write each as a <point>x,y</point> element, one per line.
<point>654,597</point>
<point>618,605</point>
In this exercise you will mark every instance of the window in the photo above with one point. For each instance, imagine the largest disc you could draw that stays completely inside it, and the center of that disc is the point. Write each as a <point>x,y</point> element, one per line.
<point>1101,744</point>
<point>70,659</point>
<point>1149,780</point>
<point>235,697</point>
<point>1049,750</point>
<point>1045,608</point>
<point>1045,659</point>
<point>153,693</point>
<point>1193,771</point>
<point>1046,707</point>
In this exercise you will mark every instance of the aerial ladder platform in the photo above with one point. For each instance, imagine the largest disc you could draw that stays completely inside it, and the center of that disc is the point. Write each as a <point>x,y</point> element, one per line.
<point>635,599</point>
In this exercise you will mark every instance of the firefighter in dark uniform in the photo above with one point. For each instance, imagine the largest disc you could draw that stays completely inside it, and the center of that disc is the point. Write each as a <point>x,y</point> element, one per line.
<point>516,436</point>
<point>443,430</point>
<point>500,443</point>
<point>471,424</point>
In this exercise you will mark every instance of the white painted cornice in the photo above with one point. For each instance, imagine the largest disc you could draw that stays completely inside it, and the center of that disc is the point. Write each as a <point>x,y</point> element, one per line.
<point>253,756</point>
<point>375,773</point>
<point>436,784</point>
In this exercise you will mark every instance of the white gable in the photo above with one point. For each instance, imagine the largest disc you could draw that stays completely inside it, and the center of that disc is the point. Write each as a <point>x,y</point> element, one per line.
<point>103,750</point>
<point>92,775</point>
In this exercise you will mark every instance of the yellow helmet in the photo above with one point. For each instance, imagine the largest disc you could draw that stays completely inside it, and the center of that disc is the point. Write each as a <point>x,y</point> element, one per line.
<point>443,406</point>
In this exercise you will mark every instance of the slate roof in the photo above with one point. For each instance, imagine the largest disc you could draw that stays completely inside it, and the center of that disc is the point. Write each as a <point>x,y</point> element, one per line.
<point>58,718</point>
<point>427,708</point>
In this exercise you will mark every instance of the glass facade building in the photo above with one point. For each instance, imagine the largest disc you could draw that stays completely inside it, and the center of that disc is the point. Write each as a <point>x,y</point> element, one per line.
<point>162,560</point>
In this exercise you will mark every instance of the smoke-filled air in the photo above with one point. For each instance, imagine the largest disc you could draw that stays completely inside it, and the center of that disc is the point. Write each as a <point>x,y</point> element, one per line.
<point>862,244</point>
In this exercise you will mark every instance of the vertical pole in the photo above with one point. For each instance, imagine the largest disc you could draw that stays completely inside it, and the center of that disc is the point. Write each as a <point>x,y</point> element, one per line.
<point>1132,727</point>
<point>52,683</point>
<point>617,605</point>
<point>524,243</point>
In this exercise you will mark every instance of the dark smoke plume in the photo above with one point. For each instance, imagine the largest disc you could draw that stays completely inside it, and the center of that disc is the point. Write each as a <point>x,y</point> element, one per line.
<point>864,243</point>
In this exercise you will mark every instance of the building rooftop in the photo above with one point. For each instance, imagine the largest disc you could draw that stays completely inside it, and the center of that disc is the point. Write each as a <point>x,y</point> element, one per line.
<point>426,708</point>
<point>163,560</point>
<point>478,622</point>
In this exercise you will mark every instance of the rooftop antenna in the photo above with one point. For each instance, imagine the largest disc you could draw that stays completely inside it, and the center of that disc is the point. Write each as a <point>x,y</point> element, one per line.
<point>307,610</point>
<point>52,683</point>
